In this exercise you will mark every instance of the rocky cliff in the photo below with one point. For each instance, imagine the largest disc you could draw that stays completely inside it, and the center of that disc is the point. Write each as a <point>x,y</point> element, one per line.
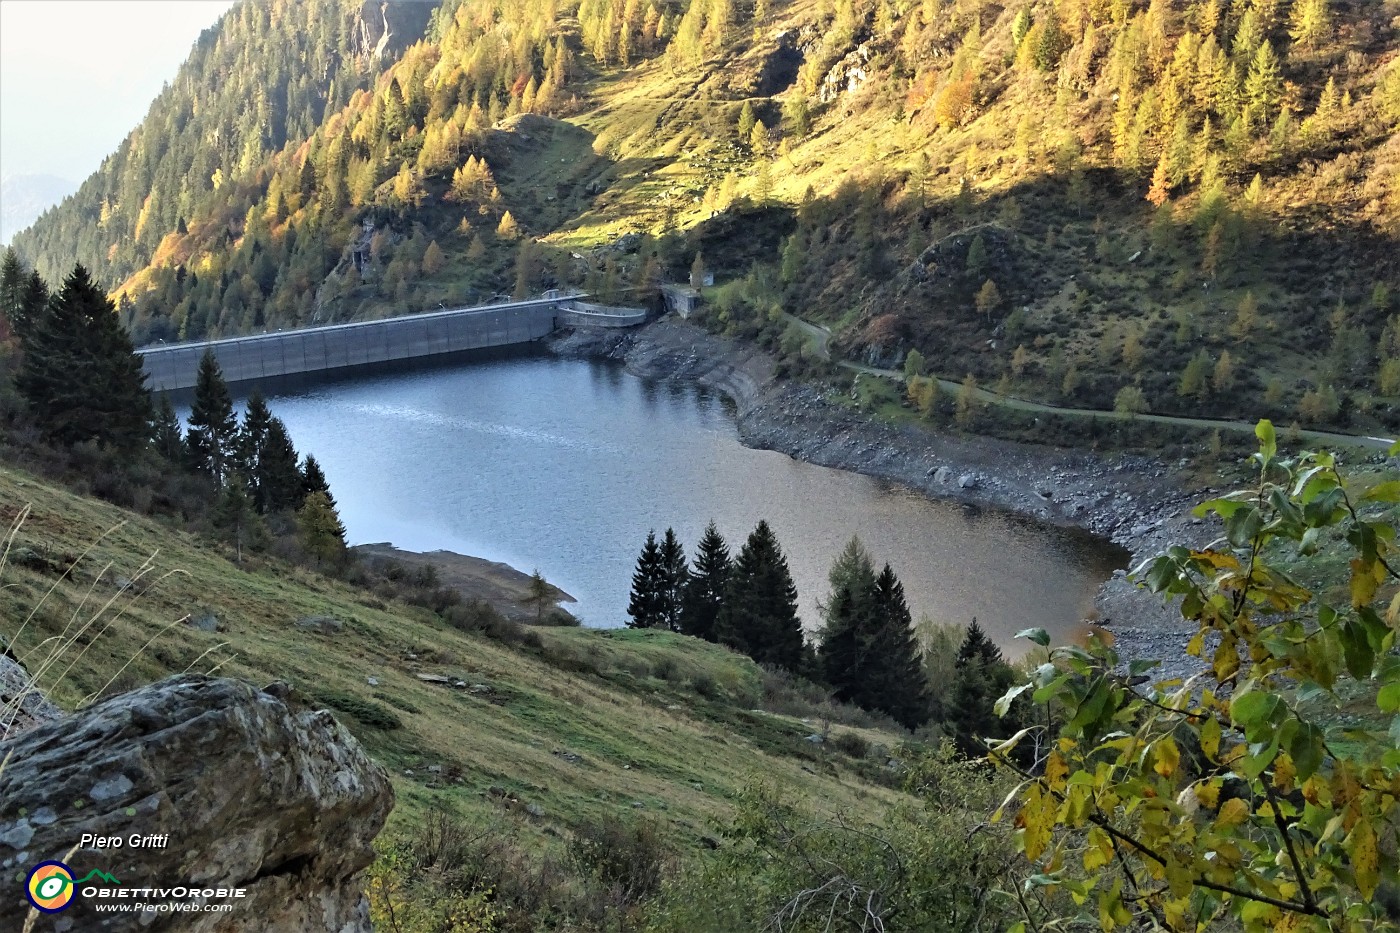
<point>200,784</point>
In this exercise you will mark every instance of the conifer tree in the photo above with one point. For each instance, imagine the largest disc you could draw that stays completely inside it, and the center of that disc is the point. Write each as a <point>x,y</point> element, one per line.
<point>252,434</point>
<point>314,480</point>
<point>166,435</point>
<point>977,256</point>
<point>705,586</point>
<point>674,574</point>
<point>1264,86</point>
<point>697,271</point>
<point>980,677</point>
<point>747,121</point>
<point>213,433</point>
<point>280,485</point>
<point>797,115</point>
<point>846,643</point>
<point>80,376</point>
<point>645,606</point>
<point>901,689</point>
<point>12,286</point>
<point>1310,22</point>
<point>977,646</point>
<point>539,594</point>
<point>868,653</point>
<point>759,616</point>
<point>234,514</point>
<point>320,530</point>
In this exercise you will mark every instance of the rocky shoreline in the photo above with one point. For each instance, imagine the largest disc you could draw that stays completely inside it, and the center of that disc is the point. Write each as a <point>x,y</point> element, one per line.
<point>1139,503</point>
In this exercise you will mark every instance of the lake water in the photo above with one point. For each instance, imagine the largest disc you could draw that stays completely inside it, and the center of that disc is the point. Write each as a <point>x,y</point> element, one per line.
<point>565,465</point>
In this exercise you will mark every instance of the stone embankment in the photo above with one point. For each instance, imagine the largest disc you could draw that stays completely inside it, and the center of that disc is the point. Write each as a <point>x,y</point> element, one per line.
<point>221,785</point>
<point>1137,502</point>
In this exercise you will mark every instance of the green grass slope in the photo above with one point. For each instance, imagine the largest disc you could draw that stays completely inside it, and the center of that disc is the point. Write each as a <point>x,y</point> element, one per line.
<point>595,725</point>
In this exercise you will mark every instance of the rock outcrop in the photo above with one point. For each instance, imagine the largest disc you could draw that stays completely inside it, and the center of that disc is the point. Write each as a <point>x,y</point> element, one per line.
<point>22,706</point>
<point>243,790</point>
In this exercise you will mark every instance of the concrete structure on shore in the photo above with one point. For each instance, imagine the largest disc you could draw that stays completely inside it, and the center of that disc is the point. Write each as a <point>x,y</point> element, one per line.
<point>343,346</point>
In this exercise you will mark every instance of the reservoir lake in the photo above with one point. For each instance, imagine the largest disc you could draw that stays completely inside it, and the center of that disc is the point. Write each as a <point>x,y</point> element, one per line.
<point>565,465</point>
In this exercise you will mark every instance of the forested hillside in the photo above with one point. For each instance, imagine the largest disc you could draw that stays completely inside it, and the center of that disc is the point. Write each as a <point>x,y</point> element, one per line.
<point>267,74</point>
<point>1183,207</point>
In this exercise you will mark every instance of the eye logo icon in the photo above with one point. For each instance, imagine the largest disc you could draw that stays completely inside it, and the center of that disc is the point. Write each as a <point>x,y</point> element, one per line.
<point>50,886</point>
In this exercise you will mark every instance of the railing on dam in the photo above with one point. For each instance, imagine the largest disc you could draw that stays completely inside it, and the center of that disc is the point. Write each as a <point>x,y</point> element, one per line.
<point>341,346</point>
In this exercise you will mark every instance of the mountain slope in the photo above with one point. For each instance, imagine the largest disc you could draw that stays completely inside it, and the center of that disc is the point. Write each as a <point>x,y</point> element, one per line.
<point>267,73</point>
<point>581,727</point>
<point>1191,207</point>
<point>23,198</point>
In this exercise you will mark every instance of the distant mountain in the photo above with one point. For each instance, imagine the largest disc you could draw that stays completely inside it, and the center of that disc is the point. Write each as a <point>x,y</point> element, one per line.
<point>263,78</point>
<point>24,197</point>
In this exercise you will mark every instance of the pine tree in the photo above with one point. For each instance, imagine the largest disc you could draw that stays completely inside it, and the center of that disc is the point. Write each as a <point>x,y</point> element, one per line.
<point>432,259</point>
<point>13,278</point>
<point>797,115</point>
<point>213,432</point>
<point>1195,379</point>
<point>846,641</point>
<point>539,594</point>
<point>747,121</point>
<point>674,574</point>
<point>759,616</point>
<point>252,434</point>
<point>977,646</point>
<point>314,480</point>
<point>988,298</point>
<point>705,587</point>
<point>645,606</point>
<point>166,435</point>
<point>901,689</point>
<point>981,676</point>
<point>235,515</point>
<point>1310,22</point>
<point>80,376</point>
<point>280,485</point>
<point>1264,86</point>
<point>320,530</point>
<point>970,710</point>
<point>977,257</point>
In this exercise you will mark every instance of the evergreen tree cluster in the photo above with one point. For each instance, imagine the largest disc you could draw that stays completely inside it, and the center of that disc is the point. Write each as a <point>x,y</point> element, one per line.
<point>78,381</point>
<point>748,603</point>
<point>78,375</point>
<point>868,652</point>
<point>254,466</point>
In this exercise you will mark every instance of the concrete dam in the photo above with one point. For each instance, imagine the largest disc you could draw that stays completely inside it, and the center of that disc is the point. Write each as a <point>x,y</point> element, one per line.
<point>343,346</point>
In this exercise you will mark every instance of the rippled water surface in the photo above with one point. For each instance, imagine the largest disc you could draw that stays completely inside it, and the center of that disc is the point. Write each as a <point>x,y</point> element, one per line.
<point>565,465</point>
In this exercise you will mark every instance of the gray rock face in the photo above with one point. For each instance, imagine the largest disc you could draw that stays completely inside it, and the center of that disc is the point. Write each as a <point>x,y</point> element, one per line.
<point>22,707</point>
<point>248,793</point>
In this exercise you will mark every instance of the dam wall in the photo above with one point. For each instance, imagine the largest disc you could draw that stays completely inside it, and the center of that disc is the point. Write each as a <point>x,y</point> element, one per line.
<point>342,346</point>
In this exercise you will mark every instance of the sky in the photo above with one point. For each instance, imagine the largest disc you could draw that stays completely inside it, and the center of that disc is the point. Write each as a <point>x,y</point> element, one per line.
<point>77,75</point>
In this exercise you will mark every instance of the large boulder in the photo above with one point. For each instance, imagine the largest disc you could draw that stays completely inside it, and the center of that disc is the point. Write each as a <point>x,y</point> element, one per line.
<point>222,786</point>
<point>22,706</point>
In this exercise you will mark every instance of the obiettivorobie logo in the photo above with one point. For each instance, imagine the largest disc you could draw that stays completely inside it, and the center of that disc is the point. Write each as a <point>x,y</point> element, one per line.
<point>51,885</point>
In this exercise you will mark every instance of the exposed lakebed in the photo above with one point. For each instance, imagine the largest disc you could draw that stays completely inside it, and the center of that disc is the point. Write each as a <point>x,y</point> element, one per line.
<point>565,465</point>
